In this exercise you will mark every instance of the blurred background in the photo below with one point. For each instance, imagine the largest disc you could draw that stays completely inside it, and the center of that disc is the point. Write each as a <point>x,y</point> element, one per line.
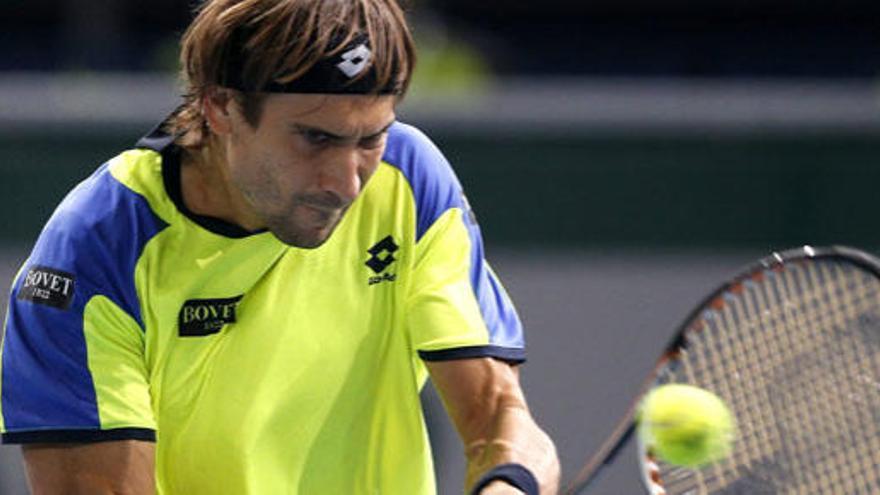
<point>623,156</point>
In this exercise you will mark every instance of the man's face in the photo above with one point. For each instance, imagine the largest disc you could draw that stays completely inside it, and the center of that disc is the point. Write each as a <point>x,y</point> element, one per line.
<point>306,160</point>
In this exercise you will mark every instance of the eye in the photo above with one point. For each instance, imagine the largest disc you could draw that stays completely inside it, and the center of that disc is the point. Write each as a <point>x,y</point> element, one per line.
<point>316,138</point>
<point>372,142</point>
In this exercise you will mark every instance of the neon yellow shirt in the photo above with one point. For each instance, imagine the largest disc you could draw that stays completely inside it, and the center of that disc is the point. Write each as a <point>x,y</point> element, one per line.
<point>256,367</point>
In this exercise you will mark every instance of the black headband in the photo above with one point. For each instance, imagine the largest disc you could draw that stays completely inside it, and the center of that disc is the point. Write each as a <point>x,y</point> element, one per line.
<point>349,71</point>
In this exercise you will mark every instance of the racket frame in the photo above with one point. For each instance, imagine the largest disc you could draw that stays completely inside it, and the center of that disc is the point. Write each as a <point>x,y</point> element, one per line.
<point>626,427</point>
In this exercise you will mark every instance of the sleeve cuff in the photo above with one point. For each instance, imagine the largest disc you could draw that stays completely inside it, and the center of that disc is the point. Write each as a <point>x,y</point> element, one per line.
<point>515,475</point>
<point>79,436</point>
<point>508,354</point>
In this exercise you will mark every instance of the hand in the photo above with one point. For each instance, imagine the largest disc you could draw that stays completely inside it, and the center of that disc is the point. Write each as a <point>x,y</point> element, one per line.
<point>499,487</point>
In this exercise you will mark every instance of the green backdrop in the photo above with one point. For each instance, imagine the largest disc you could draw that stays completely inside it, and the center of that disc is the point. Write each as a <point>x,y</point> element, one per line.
<point>574,191</point>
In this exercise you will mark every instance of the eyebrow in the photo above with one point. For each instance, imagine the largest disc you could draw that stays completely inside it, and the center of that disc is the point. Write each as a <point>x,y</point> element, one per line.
<point>336,137</point>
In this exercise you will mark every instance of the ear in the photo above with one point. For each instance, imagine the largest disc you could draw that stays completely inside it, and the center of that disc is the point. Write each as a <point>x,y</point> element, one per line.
<point>217,108</point>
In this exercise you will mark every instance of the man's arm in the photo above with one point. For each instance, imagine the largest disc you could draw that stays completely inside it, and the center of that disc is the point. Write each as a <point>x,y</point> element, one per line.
<point>484,399</point>
<point>104,468</point>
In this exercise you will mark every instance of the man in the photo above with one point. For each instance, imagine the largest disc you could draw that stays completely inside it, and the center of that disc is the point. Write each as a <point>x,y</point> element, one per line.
<point>251,300</point>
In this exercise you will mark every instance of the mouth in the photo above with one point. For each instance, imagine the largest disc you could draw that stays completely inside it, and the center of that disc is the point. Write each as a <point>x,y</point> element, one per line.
<point>322,216</point>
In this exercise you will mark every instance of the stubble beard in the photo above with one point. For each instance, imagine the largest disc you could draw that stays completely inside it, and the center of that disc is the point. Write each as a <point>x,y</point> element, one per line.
<point>306,220</point>
<point>293,230</point>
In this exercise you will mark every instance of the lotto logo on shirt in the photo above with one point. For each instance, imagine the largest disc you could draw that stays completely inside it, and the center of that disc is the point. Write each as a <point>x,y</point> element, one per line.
<point>200,317</point>
<point>47,286</point>
<point>381,256</point>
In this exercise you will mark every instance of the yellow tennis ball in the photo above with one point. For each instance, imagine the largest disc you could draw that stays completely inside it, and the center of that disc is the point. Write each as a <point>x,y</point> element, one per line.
<point>686,425</point>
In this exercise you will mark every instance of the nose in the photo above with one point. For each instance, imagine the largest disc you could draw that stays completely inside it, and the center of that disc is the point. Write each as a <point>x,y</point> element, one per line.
<point>341,176</point>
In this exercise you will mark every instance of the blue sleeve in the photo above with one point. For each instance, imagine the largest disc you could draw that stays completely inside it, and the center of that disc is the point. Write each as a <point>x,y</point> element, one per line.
<point>436,191</point>
<point>89,247</point>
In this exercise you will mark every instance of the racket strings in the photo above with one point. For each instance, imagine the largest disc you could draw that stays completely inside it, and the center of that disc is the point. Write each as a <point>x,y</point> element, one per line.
<point>722,352</point>
<point>867,405</point>
<point>830,461</point>
<point>796,354</point>
<point>832,427</point>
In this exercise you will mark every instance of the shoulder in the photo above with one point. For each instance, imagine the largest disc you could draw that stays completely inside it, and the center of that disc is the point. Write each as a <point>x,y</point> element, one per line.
<point>104,210</point>
<point>408,146</point>
<point>435,187</point>
<point>95,238</point>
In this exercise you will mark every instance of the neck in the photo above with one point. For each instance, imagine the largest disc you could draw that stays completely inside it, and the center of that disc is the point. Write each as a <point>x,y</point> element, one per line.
<point>206,187</point>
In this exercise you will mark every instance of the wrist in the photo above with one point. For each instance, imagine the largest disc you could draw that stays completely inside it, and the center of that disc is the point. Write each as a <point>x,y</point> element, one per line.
<point>513,474</point>
<point>499,487</point>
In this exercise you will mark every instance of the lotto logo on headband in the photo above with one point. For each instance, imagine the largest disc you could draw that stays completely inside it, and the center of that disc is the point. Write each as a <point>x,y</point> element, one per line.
<point>354,60</point>
<point>350,70</point>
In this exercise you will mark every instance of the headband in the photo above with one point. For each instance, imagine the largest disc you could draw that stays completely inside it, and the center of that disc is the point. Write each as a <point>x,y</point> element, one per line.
<point>349,71</point>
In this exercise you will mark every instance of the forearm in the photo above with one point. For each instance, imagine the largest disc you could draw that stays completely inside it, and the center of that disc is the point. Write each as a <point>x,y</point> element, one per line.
<point>487,406</point>
<point>109,468</point>
<point>514,438</point>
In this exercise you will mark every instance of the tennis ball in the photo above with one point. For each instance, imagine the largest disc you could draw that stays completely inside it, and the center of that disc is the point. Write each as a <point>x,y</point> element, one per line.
<point>686,425</point>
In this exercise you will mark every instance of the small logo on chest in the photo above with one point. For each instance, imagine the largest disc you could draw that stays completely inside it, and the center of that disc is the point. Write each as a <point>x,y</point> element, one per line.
<point>381,257</point>
<point>200,317</point>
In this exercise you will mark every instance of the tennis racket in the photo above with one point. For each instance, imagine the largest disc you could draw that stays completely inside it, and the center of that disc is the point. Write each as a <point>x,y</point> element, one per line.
<point>792,344</point>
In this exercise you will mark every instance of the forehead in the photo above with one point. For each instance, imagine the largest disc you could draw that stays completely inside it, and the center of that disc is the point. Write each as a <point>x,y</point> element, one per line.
<point>351,112</point>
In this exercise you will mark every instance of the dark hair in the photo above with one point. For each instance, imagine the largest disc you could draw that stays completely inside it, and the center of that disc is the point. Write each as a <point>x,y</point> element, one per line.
<point>283,40</point>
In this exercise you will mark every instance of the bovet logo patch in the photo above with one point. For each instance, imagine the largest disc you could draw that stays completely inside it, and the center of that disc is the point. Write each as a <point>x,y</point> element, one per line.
<point>200,317</point>
<point>44,285</point>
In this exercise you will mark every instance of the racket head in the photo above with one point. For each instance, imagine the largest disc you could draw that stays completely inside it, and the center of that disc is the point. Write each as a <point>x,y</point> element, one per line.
<point>792,345</point>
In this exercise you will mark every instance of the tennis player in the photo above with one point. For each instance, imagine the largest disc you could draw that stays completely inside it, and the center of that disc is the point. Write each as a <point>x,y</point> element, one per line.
<point>250,300</point>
